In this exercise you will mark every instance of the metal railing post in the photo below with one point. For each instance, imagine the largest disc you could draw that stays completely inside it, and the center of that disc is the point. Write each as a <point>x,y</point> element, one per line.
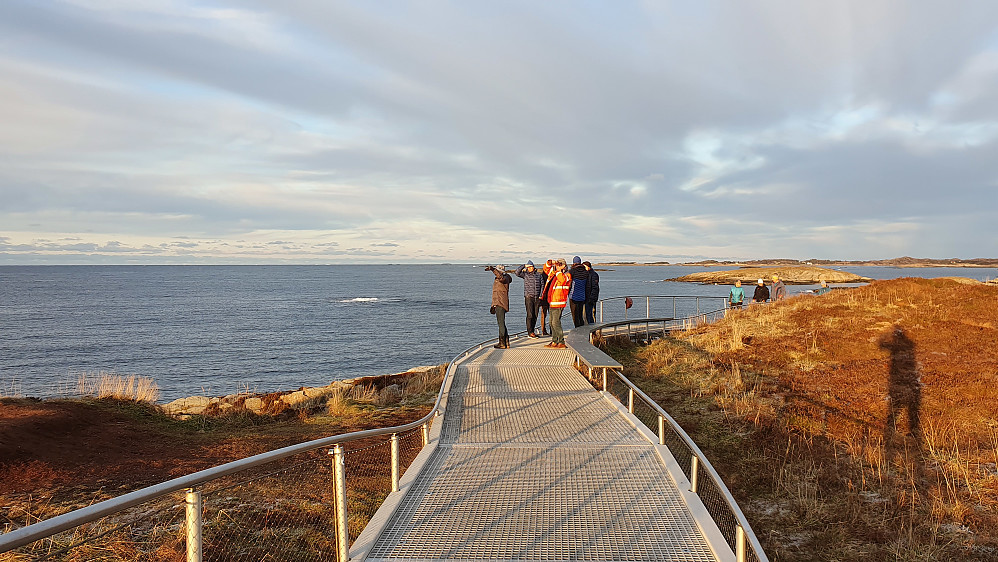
<point>340,499</point>
<point>194,525</point>
<point>740,544</point>
<point>426,433</point>
<point>604,379</point>
<point>630,400</point>
<point>647,307</point>
<point>694,469</point>
<point>661,430</point>
<point>601,312</point>
<point>395,462</point>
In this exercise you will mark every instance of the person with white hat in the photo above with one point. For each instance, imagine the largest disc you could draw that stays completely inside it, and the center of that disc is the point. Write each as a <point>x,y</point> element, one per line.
<point>761,293</point>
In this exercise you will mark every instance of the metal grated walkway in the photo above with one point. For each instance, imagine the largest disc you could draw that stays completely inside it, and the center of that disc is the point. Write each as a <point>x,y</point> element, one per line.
<point>533,464</point>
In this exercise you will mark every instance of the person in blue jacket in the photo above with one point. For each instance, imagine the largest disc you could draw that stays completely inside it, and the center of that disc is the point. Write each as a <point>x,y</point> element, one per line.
<point>533,283</point>
<point>579,292</point>
<point>737,296</point>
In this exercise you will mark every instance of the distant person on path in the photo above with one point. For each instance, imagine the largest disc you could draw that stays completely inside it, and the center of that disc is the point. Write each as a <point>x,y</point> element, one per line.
<point>578,296</point>
<point>500,302</point>
<point>761,293</point>
<point>823,289</point>
<point>533,284</point>
<point>559,283</point>
<point>592,293</point>
<point>548,269</point>
<point>737,296</point>
<point>779,289</point>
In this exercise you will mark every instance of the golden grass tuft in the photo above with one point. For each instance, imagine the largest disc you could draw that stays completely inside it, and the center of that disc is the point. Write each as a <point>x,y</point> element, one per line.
<point>121,387</point>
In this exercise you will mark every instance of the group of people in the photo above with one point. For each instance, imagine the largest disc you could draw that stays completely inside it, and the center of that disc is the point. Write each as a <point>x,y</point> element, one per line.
<point>736,299</point>
<point>546,293</point>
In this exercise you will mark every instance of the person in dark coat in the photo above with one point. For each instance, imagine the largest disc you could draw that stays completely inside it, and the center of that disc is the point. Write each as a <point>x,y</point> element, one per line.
<point>592,293</point>
<point>579,292</point>
<point>500,302</point>
<point>533,284</point>
<point>761,293</point>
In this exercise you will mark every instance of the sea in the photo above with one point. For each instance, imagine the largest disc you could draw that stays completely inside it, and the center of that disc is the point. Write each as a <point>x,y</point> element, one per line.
<point>216,330</point>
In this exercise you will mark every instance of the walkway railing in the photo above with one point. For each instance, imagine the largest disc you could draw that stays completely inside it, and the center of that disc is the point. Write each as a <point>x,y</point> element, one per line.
<point>656,306</point>
<point>295,499</point>
<point>290,498</point>
<point>607,374</point>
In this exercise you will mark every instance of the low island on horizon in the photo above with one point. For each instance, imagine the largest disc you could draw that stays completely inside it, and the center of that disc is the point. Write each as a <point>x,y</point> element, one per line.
<point>905,261</point>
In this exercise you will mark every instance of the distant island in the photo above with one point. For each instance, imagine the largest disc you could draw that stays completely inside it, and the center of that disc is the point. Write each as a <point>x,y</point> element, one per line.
<point>893,262</point>
<point>791,275</point>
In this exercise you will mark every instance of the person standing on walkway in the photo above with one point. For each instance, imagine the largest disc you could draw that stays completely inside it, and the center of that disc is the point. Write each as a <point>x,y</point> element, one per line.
<point>500,302</point>
<point>592,293</point>
<point>577,296</point>
<point>779,289</point>
<point>546,274</point>
<point>559,283</point>
<point>533,284</point>
<point>737,296</point>
<point>761,293</point>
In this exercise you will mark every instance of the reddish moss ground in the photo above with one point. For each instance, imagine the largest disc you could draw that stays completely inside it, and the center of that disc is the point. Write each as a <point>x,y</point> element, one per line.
<point>69,447</point>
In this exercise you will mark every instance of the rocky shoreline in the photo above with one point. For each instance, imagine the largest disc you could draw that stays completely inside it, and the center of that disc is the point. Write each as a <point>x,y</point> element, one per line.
<point>272,403</point>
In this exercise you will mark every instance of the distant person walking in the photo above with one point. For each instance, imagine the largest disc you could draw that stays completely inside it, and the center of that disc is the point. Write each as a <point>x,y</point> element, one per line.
<point>737,295</point>
<point>761,293</point>
<point>533,284</point>
<point>779,289</point>
<point>559,284</point>
<point>500,302</point>
<point>580,286</point>
<point>592,294</point>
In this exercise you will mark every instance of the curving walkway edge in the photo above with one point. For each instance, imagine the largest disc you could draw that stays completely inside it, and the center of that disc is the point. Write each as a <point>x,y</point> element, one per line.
<point>529,462</point>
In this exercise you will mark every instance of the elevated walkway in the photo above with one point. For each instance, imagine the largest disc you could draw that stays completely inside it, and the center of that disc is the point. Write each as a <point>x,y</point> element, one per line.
<point>530,462</point>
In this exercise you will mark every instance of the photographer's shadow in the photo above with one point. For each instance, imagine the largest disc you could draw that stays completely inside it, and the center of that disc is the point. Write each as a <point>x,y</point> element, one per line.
<point>904,397</point>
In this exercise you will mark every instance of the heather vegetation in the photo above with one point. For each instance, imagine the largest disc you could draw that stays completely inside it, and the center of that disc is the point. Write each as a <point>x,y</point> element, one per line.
<point>862,424</point>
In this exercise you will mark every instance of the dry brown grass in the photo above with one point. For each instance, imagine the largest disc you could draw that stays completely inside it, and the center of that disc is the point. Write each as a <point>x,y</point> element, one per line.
<point>797,405</point>
<point>121,387</point>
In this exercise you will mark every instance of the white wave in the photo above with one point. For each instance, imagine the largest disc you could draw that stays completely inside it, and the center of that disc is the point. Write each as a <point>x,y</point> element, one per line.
<point>361,299</point>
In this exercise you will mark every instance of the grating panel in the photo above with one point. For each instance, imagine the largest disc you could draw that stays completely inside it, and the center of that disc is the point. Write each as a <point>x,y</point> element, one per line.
<point>499,379</point>
<point>523,354</point>
<point>538,418</point>
<point>542,503</point>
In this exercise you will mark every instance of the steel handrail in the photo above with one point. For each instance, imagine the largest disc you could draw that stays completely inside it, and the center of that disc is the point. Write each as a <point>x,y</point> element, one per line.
<point>702,460</point>
<point>42,529</point>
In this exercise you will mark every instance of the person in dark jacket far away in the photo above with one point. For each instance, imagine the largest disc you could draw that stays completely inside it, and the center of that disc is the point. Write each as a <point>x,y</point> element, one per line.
<point>761,292</point>
<point>592,294</point>
<point>737,295</point>
<point>533,284</point>
<point>779,289</point>
<point>577,295</point>
<point>500,302</point>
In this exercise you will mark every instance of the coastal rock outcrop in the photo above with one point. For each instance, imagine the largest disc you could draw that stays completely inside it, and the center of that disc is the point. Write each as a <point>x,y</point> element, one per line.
<point>304,397</point>
<point>794,275</point>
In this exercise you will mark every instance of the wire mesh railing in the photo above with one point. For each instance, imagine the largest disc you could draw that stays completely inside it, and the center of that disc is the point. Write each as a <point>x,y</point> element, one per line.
<point>615,309</point>
<point>703,479</point>
<point>299,503</point>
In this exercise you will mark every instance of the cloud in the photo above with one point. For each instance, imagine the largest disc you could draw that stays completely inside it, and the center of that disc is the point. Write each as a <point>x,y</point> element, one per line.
<point>354,131</point>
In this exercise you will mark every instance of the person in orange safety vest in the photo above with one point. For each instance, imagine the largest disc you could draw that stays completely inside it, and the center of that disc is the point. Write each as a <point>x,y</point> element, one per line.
<point>556,293</point>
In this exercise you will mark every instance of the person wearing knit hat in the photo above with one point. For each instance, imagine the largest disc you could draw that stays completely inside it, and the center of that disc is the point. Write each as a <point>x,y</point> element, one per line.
<point>580,291</point>
<point>761,292</point>
<point>533,284</point>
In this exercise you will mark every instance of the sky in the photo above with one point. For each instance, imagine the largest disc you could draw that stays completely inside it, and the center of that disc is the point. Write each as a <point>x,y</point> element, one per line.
<point>294,131</point>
